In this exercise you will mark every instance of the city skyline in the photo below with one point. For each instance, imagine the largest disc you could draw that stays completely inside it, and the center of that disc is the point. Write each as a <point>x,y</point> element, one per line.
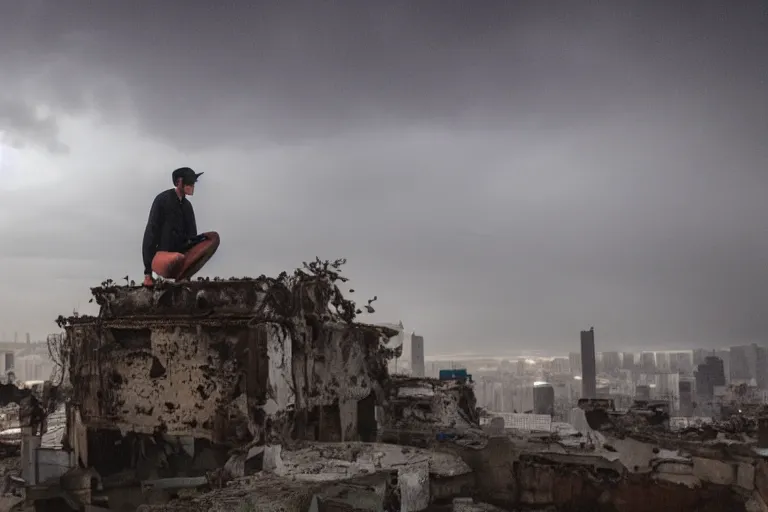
<point>503,174</point>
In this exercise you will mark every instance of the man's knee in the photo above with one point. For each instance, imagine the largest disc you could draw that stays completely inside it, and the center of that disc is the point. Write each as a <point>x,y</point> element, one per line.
<point>213,236</point>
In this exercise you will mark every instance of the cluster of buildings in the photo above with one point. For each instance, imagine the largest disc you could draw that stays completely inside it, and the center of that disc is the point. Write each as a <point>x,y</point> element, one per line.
<point>696,383</point>
<point>27,361</point>
<point>197,397</point>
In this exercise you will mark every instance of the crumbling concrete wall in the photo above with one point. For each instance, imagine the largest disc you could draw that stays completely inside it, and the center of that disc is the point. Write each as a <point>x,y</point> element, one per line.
<point>421,403</point>
<point>228,361</point>
<point>143,377</point>
<point>572,482</point>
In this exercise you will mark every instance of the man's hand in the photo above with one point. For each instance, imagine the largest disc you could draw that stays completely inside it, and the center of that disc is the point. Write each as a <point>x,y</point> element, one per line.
<point>148,281</point>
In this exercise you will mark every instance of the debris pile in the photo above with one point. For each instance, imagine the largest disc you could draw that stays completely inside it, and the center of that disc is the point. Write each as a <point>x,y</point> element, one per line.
<point>423,402</point>
<point>268,394</point>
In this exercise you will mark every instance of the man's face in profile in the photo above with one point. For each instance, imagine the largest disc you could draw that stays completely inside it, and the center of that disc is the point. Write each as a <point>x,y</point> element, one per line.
<point>189,190</point>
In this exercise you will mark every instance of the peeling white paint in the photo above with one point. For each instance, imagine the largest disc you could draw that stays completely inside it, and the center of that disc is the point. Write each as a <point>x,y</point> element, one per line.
<point>279,351</point>
<point>416,392</point>
<point>413,482</point>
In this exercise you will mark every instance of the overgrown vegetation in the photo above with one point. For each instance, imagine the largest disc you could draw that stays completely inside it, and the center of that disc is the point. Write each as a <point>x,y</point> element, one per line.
<point>328,271</point>
<point>58,353</point>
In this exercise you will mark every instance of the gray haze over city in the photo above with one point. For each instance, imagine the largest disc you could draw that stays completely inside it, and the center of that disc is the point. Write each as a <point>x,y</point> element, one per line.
<point>501,175</point>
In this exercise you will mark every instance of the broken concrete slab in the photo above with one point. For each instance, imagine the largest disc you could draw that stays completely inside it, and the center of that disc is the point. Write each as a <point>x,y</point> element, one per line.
<point>714,471</point>
<point>469,505</point>
<point>339,461</point>
<point>413,483</point>
<point>414,403</point>
<point>262,492</point>
<point>745,476</point>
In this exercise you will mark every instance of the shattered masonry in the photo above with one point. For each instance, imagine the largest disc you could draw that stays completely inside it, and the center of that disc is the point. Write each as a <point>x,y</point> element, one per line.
<point>428,404</point>
<point>231,362</point>
<point>265,393</point>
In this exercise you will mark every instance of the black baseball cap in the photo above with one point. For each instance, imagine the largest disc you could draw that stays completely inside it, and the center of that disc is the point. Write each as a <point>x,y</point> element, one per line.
<point>187,175</point>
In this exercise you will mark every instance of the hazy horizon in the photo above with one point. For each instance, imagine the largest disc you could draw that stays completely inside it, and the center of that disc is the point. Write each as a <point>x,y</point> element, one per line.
<point>499,173</point>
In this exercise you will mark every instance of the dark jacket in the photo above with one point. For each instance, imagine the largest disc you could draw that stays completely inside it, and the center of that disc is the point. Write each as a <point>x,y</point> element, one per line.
<point>170,226</point>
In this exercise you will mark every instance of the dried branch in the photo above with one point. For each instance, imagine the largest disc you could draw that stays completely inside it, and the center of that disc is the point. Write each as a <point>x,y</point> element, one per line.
<point>58,352</point>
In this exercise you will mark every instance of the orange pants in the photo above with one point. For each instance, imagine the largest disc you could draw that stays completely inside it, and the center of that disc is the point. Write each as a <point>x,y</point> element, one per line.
<point>178,265</point>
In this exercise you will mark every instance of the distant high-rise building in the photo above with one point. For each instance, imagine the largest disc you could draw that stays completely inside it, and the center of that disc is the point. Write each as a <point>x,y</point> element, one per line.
<point>599,363</point>
<point>761,367</point>
<point>699,355</point>
<point>743,363</point>
<point>648,361</point>
<point>574,360</point>
<point>643,392</point>
<point>9,361</point>
<point>28,339</point>
<point>417,355</point>
<point>725,356</point>
<point>662,362</point>
<point>686,397</point>
<point>681,362</point>
<point>611,361</point>
<point>543,398</point>
<point>560,366</point>
<point>708,375</point>
<point>588,368</point>
<point>664,386</point>
<point>628,361</point>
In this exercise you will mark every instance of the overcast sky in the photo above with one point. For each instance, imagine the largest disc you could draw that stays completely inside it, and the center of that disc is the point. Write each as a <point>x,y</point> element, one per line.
<point>501,174</point>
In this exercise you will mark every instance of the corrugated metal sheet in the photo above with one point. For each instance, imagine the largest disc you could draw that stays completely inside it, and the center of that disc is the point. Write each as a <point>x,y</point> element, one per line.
<point>523,422</point>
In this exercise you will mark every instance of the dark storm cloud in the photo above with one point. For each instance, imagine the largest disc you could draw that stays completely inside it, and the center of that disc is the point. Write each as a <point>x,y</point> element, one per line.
<point>497,170</point>
<point>205,74</point>
<point>24,124</point>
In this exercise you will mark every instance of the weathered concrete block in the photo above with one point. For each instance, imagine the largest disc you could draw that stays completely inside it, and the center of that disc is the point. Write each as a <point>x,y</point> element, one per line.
<point>745,476</point>
<point>674,468</point>
<point>441,488</point>
<point>162,360</point>
<point>273,460</point>
<point>714,471</point>
<point>463,505</point>
<point>756,503</point>
<point>413,482</point>
<point>537,485</point>
<point>350,497</point>
<point>496,426</point>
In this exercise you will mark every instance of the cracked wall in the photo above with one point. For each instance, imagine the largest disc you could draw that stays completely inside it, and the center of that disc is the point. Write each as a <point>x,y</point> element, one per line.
<point>228,361</point>
<point>422,403</point>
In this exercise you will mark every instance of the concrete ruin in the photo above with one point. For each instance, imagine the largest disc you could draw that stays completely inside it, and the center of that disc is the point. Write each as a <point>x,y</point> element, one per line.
<point>230,362</point>
<point>221,353</point>
<point>169,382</point>
<point>423,404</point>
<point>266,394</point>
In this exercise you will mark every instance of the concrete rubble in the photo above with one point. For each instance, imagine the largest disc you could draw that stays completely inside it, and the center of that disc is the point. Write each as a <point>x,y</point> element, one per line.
<point>267,394</point>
